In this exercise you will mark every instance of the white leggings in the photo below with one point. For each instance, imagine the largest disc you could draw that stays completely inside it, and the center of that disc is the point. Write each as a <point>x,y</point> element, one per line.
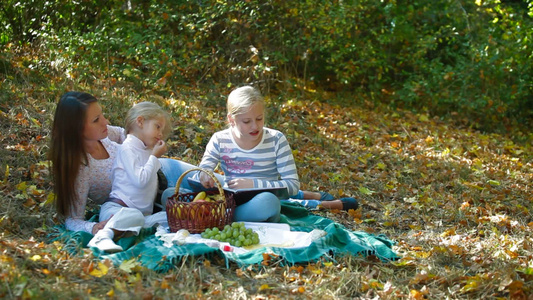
<point>121,218</point>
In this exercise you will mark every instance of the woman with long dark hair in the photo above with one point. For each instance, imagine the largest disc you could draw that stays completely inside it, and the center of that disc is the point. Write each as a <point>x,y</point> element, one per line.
<point>83,150</point>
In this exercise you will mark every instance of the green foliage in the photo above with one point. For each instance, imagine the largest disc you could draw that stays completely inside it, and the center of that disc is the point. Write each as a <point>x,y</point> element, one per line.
<point>478,65</point>
<point>446,57</point>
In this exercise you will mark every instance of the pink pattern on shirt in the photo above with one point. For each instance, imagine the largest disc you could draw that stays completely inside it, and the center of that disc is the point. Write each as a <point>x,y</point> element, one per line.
<point>237,166</point>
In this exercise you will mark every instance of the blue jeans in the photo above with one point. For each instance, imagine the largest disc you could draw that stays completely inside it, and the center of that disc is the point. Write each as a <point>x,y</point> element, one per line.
<point>264,207</point>
<point>173,169</point>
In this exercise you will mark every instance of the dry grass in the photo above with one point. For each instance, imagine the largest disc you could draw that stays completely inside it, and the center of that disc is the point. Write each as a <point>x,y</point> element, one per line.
<point>457,201</point>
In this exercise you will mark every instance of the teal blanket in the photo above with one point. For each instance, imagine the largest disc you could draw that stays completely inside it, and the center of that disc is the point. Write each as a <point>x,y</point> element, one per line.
<point>151,253</point>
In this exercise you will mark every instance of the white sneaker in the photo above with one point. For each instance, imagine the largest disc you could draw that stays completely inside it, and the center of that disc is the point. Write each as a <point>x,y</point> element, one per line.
<point>104,242</point>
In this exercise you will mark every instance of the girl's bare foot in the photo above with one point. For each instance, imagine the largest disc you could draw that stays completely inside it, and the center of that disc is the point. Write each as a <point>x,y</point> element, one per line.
<point>344,204</point>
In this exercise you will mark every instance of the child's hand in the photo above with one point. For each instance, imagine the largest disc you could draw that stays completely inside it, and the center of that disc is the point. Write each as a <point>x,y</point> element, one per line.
<point>99,226</point>
<point>159,149</point>
<point>206,180</point>
<point>240,183</point>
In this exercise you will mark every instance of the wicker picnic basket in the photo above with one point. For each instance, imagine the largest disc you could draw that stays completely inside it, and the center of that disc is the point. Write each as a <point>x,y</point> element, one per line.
<point>195,217</point>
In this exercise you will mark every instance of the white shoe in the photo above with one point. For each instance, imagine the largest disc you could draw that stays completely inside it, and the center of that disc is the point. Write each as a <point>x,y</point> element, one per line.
<point>104,244</point>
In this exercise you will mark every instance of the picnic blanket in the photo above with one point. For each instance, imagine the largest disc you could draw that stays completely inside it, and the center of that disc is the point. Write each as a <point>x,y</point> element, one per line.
<point>151,251</point>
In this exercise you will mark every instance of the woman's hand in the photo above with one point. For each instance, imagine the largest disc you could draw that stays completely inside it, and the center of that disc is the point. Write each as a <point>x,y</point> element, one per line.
<point>98,226</point>
<point>240,183</point>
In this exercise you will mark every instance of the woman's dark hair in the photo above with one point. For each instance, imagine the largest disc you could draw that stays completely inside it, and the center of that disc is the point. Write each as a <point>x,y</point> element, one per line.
<point>67,151</point>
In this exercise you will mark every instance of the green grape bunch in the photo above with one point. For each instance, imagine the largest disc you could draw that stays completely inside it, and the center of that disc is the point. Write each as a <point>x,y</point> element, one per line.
<point>235,234</point>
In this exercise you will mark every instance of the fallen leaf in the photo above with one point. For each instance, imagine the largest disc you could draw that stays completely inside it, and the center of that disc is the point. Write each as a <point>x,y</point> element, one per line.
<point>100,271</point>
<point>365,191</point>
<point>128,265</point>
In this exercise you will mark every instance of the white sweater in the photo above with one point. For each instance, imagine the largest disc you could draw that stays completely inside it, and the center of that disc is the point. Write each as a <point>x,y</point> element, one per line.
<point>134,175</point>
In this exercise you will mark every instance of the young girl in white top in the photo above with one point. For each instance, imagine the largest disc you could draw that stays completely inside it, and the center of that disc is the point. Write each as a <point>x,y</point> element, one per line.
<point>135,170</point>
<point>251,156</point>
<point>134,173</point>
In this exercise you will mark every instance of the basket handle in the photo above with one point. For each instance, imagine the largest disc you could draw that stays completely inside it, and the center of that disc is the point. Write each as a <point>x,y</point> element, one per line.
<point>180,179</point>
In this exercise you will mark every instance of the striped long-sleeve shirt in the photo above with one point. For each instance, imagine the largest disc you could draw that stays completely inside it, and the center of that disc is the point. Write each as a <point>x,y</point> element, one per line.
<point>269,164</point>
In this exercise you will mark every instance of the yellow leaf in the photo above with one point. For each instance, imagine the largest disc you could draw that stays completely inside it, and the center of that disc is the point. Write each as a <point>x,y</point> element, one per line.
<point>49,199</point>
<point>317,271</point>
<point>120,286</point>
<point>36,122</point>
<point>472,284</point>
<point>494,182</point>
<point>36,192</point>
<point>375,284</point>
<point>448,232</point>
<point>100,271</point>
<point>36,257</point>
<point>22,186</point>
<point>446,152</point>
<point>473,185</point>
<point>405,261</point>
<point>128,265</point>
<point>365,190</point>
<point>111,293</point>
<point>423,118</point>
<point>198,139</point>
<point>422,254</point>
<point>264,287</point>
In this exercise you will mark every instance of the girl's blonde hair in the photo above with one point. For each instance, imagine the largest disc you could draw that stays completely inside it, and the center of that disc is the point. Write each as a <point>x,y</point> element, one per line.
<point>149,111</point>
<point>241,99</point>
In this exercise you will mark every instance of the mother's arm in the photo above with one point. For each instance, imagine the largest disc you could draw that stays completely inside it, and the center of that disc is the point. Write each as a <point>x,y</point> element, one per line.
<point>76,218</point>
<point>116,134</point>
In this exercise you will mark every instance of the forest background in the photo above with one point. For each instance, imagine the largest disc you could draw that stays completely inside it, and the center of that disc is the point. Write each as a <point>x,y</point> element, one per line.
<point>421,109</point>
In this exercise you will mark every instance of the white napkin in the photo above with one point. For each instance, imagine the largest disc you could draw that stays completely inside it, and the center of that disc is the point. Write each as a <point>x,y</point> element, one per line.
<point>270,235</point>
